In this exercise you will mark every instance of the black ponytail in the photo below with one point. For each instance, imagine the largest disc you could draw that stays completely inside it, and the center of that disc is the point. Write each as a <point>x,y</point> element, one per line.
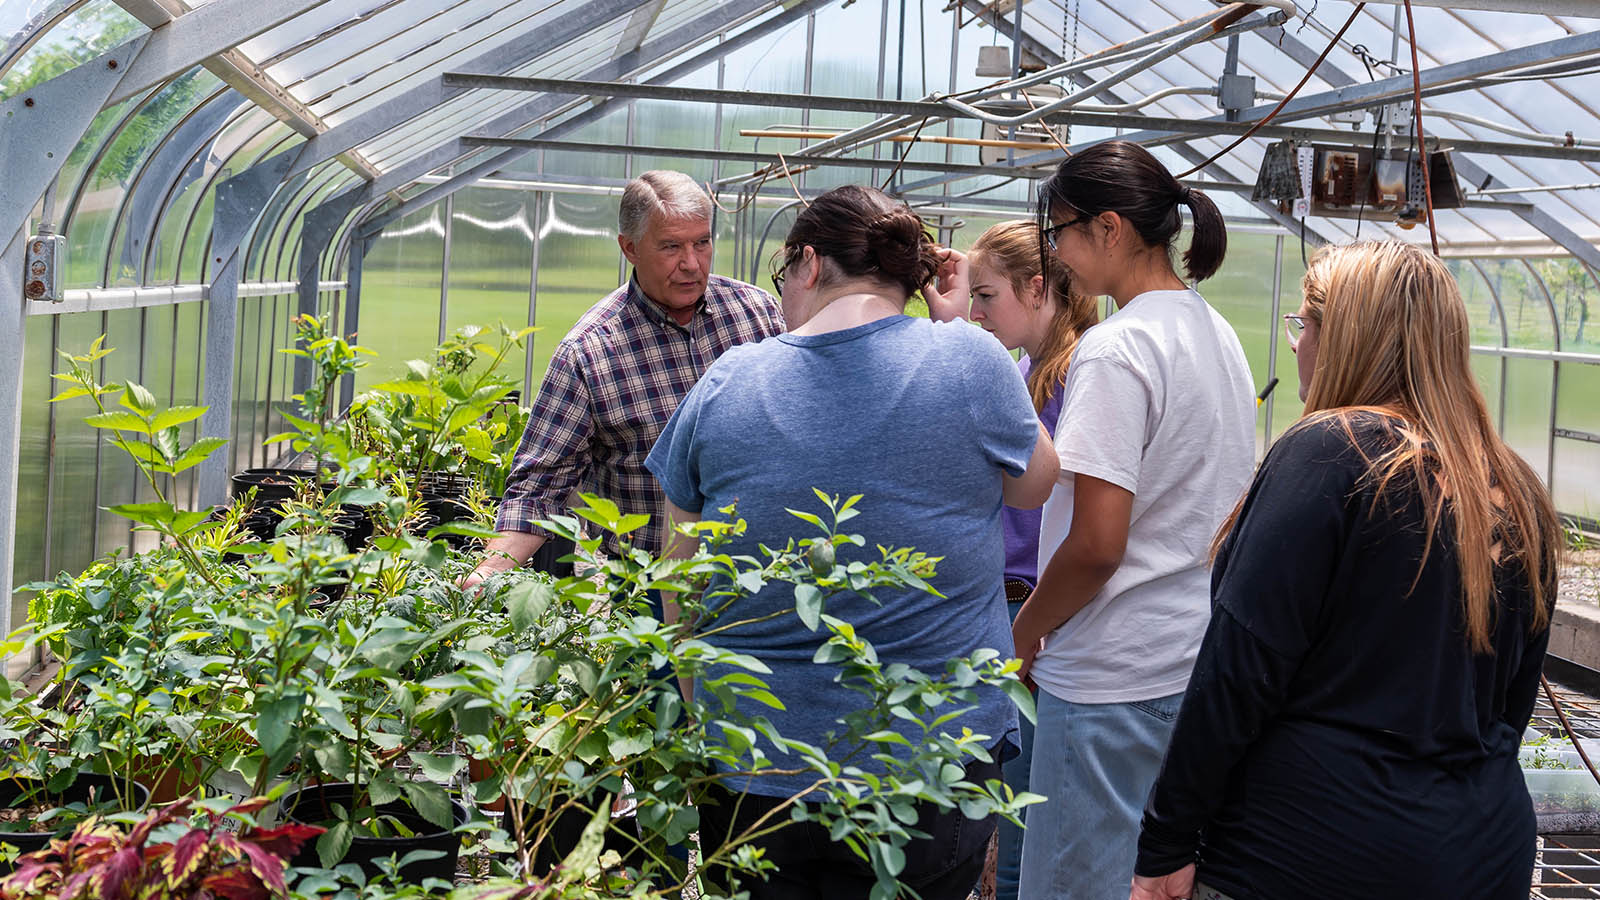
<point>1124,178</point>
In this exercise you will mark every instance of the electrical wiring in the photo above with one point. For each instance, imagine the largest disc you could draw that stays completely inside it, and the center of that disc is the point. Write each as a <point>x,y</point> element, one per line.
<point>1260,123</point>
<point>1418,139</point>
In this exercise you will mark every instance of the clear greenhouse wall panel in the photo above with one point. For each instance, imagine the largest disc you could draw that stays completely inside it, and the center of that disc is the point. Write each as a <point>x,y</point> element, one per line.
<point>138,192</point>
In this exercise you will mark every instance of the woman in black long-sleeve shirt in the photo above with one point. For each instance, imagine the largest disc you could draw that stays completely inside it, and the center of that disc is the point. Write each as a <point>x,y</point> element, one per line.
<point>1351,727</point>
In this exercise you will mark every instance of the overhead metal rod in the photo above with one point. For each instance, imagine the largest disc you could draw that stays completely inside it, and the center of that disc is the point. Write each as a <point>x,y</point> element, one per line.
<point>1438,80</point>
<point>1581,8</point>
<point>1156,130</point>
<point>794,160</point>
<point>694,95</point>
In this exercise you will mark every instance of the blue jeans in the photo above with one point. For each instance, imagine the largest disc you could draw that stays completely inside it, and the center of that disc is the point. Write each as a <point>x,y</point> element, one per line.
<point>1096,763</point>
<point>1015,773</point>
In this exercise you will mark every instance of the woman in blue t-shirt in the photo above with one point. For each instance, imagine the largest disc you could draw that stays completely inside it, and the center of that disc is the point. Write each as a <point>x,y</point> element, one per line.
<point>1013,299</point>
<point>931,425</point>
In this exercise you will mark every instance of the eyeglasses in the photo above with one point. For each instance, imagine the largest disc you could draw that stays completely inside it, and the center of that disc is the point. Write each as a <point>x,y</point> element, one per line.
<point>1294,326</point>
<point>777,283</point>
<point>1051,231</point>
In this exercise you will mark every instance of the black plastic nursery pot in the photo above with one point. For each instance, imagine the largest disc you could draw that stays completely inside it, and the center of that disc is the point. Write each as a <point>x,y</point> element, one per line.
<point>273,486</point>
<point>313,805</point>
<point>90,790</point>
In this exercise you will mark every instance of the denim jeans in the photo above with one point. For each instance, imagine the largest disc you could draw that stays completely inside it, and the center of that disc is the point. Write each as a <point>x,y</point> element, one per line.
<point>1008,867</point>
<point>1096,763</point>
<point>811,865</point>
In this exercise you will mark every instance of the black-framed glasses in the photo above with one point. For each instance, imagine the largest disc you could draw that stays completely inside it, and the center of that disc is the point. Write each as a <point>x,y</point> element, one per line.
<point>1051,231</point>
<point>1294,326</point>
<point>777,283</point>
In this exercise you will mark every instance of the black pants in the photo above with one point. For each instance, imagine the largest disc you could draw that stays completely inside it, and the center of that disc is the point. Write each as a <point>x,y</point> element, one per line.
<point>944,866</point>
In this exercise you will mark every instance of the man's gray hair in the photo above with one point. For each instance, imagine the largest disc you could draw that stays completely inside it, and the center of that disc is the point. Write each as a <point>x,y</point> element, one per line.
<point>660,192</point>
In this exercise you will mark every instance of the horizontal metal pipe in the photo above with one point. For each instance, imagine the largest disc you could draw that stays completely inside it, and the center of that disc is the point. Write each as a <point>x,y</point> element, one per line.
<point>97,299</point>
<point>1589,359</point>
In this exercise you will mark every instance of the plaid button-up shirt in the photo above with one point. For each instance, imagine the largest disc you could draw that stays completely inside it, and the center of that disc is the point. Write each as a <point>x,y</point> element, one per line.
<point>613,382</point>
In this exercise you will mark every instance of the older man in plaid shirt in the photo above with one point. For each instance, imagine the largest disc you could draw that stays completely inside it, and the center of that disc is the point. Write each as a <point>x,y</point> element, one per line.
<point>618,375</point>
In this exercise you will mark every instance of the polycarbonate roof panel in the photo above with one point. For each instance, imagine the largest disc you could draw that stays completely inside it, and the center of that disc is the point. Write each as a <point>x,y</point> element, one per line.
<point>346,57</point>
<point>1529,109</point>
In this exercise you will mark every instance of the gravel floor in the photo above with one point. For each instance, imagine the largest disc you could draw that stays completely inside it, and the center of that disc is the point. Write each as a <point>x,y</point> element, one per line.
<point>1580,576</point>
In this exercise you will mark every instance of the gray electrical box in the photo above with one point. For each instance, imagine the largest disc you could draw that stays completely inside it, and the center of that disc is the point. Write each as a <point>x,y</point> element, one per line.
<point>1236,92</point>
<point>42,265</point>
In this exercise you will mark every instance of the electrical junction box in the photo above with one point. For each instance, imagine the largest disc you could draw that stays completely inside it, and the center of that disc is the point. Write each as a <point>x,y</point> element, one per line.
<point>42,265</point>
<point>1236,92</point>
<point>1349,116</point>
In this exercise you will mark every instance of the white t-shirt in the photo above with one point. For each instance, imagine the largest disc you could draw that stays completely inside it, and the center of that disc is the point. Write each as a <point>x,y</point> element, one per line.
<point>1158,400</point>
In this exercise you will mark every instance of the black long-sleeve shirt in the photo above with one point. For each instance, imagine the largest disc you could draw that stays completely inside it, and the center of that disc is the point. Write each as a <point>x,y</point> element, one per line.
<point>1339,738</point>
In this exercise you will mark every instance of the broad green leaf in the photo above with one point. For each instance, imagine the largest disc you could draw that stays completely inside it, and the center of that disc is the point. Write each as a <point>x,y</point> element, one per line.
<point>122,421</point>
<point>358,496</point>
<point>463,528</point>
<point>197,452</point>
<point>142,451</point>
<point>807,517</point>
<point>808,605</point>
<point>153,514</point>
<point>138,399</point>
<point>431,802</point>
<point>275,721</point>
<point>527,602</point>
<point>166,440</point>
<point>410,388</point>
<point>631,523</point>
<point>383,791</point>
<point>177,415</point>
<point>334,844</point>
<point>435,766</point>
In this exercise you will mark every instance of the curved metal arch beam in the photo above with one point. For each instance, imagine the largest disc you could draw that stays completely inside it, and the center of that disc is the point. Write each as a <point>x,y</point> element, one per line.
<point>98,157</point>
<point>164,207</point>
<point>253,245</point>
<point>1505,337</point>
<point>213,182</point>
<point>292,212</point>
<point>159,163</point>
<point>680,40</point>
<point>1555,377</point>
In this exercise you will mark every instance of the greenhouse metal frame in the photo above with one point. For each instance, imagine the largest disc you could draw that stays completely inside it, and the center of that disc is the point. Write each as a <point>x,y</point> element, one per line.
<point>234,151</point>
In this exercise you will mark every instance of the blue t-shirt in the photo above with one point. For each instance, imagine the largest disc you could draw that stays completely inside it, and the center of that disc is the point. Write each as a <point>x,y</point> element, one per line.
<point>921,419</point>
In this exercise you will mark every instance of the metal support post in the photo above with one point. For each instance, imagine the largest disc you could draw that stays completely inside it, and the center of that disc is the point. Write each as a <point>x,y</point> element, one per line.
<point>240,201</point>
<point>359,247</point>
<point>1505,339</point>
<point>1555,374</point>
<point>13,336</point>
<point>317,230</point>
<point>533,297</point>
<point>444,267</point>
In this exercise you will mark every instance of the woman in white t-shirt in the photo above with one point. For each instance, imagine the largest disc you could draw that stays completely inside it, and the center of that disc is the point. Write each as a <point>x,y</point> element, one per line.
<point>1157,442</point>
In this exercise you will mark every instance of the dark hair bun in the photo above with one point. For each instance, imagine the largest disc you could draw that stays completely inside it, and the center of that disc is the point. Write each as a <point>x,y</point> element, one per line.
<point>895,240</point>
<point>864,233</point>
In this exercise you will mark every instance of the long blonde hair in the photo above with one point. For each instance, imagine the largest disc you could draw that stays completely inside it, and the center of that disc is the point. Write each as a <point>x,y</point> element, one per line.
<point>1012,249</point>
<point>1394,339</point>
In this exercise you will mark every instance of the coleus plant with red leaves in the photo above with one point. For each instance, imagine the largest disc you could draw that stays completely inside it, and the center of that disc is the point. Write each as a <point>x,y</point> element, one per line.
<point>101,861</point>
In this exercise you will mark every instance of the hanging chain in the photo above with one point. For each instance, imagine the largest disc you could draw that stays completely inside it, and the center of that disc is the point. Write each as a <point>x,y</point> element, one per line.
<point>1065,49</point>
